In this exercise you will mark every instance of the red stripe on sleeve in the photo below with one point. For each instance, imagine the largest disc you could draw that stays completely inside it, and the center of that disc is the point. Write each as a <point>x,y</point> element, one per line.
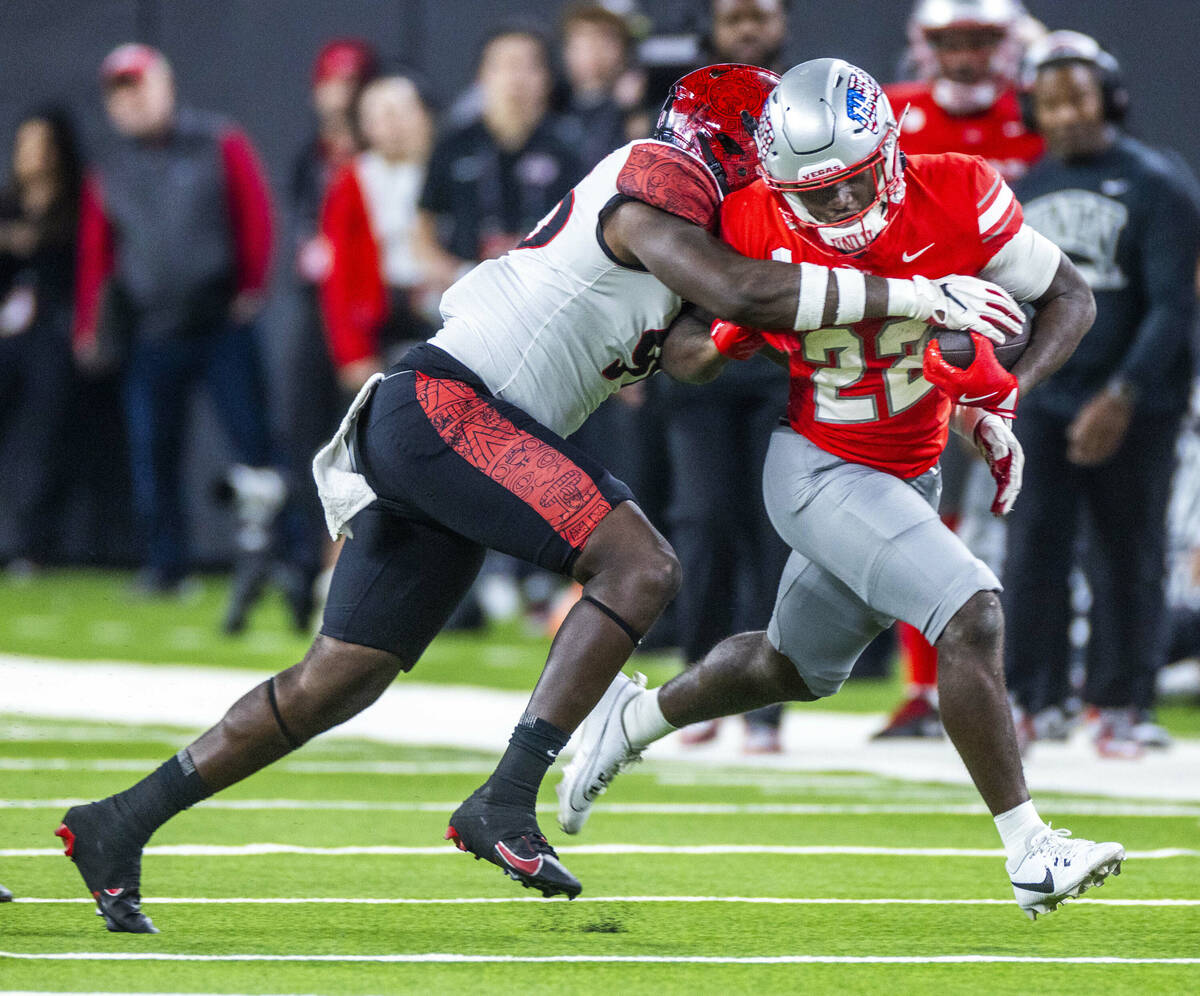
<point>94,260</point>
<point>353,297</point>
<point>249,210</point>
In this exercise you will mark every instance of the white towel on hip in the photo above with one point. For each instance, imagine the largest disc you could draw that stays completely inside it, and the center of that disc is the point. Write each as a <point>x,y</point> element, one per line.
<point>344,492</point>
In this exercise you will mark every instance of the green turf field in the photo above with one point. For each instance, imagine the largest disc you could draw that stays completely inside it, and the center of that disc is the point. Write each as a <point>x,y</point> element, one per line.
<point>361,885</point>
<point>696,879</point>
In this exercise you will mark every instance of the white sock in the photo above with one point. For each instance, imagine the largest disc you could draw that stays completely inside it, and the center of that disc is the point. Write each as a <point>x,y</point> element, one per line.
<point>1016,826</point>
<point>643,719</point>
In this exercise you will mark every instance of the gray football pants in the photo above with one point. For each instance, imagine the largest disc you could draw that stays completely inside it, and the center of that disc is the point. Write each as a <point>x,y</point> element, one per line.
<point>867,549</point>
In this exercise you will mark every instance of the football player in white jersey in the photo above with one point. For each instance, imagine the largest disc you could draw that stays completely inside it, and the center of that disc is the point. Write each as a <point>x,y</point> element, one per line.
<point>460,448</point>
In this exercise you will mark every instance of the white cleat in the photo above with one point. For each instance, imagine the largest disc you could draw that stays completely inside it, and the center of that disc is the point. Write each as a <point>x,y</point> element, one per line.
<point>1055,868</point>
<point>602,754</point>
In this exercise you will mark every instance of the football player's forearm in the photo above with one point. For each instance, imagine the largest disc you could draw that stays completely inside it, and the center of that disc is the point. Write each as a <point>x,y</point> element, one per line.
<point>772,295</point>
<point>688,353</point>
<point>764,294</point>
<point>1062,316</point>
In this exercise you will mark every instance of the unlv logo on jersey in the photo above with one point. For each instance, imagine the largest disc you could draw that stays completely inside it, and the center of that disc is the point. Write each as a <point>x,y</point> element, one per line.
<point>645,359</point>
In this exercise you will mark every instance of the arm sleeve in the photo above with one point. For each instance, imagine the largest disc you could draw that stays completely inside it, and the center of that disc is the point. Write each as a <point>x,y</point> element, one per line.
<point>669,179</point>
<point>95,260</point>
<point>249,210</point>
<point>1171,242</point>
<point>352,295</point>
<point>1025,265</point>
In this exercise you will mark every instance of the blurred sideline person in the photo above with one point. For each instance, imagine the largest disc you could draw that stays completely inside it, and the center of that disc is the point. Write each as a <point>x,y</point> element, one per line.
<point>460,448</point>
<point>39,210</point>
<point>174,254</point>
<point>490,181</point>
<point>748,31</point>
<point>603,85</point>
<point>968,54</point>
<point>717,436</point>
<point>1100,437</point>
<point>370,295</point>
<point>310,401</point>
<point>851,481</point>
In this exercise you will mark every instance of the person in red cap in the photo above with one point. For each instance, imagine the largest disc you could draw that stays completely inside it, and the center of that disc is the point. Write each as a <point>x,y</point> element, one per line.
<point>310,399</point>
<point>174,253</point>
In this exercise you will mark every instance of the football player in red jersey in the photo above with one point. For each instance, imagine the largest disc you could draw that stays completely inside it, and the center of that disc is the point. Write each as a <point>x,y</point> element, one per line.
<point>968,53</point>
<point>851,482</point>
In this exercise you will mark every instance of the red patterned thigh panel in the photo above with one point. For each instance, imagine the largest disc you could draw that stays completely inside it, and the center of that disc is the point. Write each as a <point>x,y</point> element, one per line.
<point>546,480</point>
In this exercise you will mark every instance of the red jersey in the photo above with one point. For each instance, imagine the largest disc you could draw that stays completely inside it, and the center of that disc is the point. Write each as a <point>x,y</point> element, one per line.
<point>857,391</point>
<point>998,134</point>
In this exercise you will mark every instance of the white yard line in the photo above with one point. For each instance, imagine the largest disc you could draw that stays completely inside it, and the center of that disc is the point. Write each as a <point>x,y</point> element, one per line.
<point>258,850</point>
<point>662,808</point>
<point>482,719</point>
<point>494,900</point>
<point>969,959</point>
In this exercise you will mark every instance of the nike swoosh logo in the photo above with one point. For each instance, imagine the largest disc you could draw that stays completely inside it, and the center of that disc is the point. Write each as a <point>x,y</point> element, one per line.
<point>969,401</point>
<point>1046,885</point>
<point>908,258</point>
<point>530,866</point>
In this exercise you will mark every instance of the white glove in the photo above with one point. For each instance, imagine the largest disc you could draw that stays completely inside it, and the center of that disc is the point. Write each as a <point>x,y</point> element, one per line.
<point>967,304</point>
<point>1000,448</point>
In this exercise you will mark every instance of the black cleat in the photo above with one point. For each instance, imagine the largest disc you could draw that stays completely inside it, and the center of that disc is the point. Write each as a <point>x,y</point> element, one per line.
<point>5,895</point>
<point>111,865</point>
<point>508,836</point>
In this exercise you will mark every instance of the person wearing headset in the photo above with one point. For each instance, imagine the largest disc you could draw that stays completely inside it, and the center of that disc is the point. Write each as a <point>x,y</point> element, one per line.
<point>1100,434</point>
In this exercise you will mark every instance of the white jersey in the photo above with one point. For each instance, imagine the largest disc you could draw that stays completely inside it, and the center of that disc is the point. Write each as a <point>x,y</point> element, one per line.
<point>558,324</point>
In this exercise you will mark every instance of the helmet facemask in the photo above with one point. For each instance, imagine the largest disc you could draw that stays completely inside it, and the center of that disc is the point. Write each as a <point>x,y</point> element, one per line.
<point>876,186</point>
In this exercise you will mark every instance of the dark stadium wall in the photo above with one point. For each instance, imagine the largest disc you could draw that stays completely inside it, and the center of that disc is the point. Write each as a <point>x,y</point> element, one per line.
<point>252,59</point>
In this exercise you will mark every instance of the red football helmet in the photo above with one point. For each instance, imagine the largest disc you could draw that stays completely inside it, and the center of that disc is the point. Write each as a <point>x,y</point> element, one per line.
<point>711,113</point>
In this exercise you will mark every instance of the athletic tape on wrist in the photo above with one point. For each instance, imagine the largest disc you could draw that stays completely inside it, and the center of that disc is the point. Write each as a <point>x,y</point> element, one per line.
<point>814,286</point>
<point>902,298</point>
<point>852,295</point>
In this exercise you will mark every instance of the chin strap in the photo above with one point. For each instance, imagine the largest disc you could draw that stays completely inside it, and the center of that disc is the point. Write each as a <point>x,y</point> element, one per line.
<point>712,163</point>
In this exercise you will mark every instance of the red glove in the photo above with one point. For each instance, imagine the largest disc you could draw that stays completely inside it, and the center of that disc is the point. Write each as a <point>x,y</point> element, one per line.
<point>736,341</point>
<point>984,384</point>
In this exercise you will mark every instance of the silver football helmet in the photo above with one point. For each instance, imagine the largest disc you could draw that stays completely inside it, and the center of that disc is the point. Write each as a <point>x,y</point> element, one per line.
<point>827,137</point>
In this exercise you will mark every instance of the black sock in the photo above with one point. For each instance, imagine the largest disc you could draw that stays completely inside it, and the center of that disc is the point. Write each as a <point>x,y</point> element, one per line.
<point>169,789</point>
<point>532,748</point>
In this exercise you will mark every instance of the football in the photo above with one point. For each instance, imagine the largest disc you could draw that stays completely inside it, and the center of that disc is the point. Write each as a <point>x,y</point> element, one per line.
<point>959,350</point>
